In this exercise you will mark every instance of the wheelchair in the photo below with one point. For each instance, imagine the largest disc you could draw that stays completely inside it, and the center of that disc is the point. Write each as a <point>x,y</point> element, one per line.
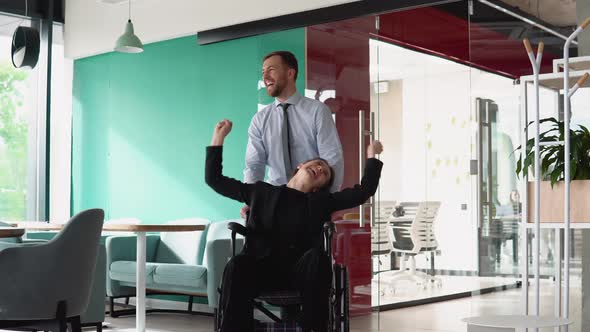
<point>290,302</point>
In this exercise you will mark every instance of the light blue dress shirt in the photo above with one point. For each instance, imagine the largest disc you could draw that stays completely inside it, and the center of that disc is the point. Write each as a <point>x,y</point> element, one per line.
<point>312,134</point>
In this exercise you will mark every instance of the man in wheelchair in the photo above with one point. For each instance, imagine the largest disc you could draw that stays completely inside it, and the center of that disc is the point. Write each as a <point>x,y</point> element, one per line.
<point>283,248</point>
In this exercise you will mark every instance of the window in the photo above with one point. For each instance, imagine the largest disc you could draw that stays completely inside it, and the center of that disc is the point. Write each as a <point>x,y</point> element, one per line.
<point>18,130</point>
<point>22,129</point>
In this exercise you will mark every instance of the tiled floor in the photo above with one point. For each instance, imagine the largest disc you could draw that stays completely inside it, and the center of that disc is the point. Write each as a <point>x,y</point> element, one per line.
<point>437,317</point>
<point>393,291</point>
<point>446,316</point>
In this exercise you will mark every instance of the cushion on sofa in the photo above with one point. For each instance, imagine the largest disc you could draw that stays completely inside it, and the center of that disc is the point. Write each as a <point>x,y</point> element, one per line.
<point>183,247</point>
<point>125,271</point>
<point>194,276</point>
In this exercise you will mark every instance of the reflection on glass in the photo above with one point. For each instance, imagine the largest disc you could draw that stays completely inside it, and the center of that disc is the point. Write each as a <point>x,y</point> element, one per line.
<point>338,74</point>
<point>500,207</point>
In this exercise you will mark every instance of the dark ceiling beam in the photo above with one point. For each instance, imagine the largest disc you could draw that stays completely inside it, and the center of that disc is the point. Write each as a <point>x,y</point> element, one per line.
<point>311,17</point>
<point>36,8</point>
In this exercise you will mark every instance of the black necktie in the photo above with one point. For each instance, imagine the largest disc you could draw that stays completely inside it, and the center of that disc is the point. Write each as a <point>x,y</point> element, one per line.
<point>285,139</point>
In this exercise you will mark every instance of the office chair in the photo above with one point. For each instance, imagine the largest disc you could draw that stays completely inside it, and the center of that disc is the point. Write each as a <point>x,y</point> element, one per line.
<point>412,233</point>
<point>381,241</point>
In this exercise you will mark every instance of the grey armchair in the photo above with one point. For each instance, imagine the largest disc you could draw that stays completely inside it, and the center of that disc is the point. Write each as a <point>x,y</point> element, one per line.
<point>50,282</point>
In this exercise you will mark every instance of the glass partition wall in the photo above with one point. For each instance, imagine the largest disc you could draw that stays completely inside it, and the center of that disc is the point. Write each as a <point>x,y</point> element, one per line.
<point>504,105</point>
<point>406,79</point>
<point>338,74</point>
<point>441,83</point>
<point>428,121</point>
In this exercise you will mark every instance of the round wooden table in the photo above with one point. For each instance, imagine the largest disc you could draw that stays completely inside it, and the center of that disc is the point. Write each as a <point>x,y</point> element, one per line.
<point>11,231</point>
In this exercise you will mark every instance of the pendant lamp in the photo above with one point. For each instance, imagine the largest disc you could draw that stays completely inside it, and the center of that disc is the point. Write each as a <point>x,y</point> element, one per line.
<point>129,42</point>
<point>25,47</point>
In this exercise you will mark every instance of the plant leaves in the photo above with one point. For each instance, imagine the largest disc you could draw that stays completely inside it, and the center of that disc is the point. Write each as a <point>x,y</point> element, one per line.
<point>551,156</point>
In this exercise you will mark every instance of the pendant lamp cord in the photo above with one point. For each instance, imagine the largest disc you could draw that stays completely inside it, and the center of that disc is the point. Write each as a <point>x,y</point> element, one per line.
<point>129,10</point>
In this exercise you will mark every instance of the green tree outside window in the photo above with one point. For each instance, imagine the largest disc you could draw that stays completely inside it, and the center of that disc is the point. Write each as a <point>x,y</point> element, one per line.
<point>13,145</point>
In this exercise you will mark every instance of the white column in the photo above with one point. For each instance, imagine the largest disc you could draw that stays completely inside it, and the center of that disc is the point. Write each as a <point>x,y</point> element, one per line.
<point>557,270</point>
<point>140,282</point>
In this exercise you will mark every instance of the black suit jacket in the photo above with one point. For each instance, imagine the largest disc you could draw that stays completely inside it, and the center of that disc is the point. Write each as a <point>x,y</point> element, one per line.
<point>285,221</point>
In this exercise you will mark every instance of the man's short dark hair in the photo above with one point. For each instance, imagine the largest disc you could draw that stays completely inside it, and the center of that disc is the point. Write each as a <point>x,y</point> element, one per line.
<point>288,59</point>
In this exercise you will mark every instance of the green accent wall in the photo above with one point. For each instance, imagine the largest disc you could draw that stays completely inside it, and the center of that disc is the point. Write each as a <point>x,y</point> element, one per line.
<point>141,123</point>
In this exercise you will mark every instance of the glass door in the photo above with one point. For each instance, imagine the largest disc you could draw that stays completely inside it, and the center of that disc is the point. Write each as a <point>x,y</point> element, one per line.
<point>384,77</point>
<point>338,73</point>
<point>498,197</point>
<point>422,93</point>
<point>497,103</point>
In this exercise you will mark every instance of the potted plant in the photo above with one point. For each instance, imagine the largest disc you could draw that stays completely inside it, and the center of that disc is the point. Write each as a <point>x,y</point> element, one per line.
<point>552,172</point>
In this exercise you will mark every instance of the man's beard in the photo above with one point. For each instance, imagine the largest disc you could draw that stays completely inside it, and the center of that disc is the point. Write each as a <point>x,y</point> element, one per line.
<point>278,89</point>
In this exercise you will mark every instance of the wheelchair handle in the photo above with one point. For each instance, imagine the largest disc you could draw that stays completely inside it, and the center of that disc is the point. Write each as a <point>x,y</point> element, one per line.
<point>329,229</point>
<point>234,227</point>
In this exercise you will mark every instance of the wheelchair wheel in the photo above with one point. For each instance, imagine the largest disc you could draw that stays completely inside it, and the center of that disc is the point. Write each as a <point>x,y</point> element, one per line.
<point>339,302</point>
<point>335,300</point>
<point>216,320</point>
<point>218,313</point>
<point>345,300</point>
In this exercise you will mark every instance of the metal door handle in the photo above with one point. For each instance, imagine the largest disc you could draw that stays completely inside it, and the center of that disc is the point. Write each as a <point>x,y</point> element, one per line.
<point>362,158</point>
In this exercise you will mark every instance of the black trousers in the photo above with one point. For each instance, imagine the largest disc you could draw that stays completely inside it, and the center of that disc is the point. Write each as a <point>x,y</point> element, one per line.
<point>245,277</point>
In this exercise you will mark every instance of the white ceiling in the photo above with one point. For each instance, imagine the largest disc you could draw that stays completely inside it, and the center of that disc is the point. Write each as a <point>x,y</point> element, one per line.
<point>390,62</point>
<point>92,26</point>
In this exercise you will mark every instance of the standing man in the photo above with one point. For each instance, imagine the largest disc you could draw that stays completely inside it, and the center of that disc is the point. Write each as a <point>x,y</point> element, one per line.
<point>290,131</point>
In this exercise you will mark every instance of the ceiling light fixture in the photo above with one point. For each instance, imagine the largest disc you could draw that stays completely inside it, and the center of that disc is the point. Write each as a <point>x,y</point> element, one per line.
<point>129,42</point>
<point>25,45</point>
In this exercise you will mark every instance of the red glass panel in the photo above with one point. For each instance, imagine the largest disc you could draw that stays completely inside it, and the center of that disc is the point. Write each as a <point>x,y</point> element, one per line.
<point>338,64</point>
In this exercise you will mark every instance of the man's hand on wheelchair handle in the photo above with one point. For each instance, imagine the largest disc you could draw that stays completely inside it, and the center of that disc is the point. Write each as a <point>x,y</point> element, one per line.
<point>244,212</point>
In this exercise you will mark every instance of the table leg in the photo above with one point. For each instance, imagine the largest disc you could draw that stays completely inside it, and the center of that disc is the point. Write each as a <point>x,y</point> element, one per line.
<point>557,271</point>
<point>140,282</point>
<point>432,272</point>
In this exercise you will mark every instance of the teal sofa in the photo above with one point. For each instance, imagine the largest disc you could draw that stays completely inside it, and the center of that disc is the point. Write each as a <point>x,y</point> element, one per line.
<point>184,263</point>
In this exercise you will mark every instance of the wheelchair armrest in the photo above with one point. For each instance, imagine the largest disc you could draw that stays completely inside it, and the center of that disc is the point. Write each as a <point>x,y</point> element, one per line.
<point>234,227</point>
<point>329,229</point>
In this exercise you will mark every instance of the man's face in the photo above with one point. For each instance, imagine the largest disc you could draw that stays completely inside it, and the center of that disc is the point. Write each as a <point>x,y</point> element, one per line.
<point>275,75</point>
